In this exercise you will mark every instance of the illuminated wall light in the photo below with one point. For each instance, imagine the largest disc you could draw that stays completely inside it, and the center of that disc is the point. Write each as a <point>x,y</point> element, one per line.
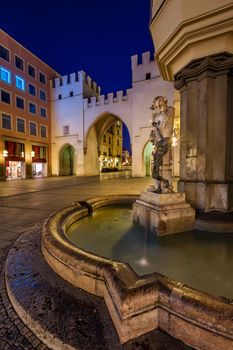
<point>33,154</point>
<point>5,153</point>
<point>174,138</point>
<point>22,154</point>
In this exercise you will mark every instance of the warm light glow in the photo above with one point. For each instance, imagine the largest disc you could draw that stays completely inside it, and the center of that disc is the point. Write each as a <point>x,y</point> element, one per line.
<point>174,138</point>
<point>22,154</point>
<point>32,153</point>
<point>5,153</point>
<point>143,262</point>
<point>174,141</point>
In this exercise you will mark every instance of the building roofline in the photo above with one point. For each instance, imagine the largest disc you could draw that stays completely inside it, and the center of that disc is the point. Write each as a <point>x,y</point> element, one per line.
<point>1,30</point>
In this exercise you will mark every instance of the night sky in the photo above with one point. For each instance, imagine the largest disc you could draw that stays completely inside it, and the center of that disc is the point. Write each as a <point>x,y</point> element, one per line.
<point>97,36</point>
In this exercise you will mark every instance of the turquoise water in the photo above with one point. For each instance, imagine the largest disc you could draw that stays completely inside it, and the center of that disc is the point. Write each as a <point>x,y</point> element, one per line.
<point>201,260</point>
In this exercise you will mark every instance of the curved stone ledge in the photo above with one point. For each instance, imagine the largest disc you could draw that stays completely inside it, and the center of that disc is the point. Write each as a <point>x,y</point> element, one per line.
<point>136,304</point>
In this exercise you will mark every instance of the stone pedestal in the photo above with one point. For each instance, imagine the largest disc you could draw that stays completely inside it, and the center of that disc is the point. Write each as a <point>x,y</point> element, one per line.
<point>164,213</point>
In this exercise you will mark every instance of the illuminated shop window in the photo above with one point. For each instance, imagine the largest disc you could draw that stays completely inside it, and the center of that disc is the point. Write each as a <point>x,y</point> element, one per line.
<point>19,83</point>
<point>5,75</point>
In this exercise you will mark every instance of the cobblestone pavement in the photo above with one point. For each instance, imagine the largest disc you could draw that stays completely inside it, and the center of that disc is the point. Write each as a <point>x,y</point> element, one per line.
<point>14,335</point>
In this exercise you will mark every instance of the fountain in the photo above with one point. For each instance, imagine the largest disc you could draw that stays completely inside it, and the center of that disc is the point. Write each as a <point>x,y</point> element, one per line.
<point>110,250</point>
<point>75,243</point>
<point>142,301</point>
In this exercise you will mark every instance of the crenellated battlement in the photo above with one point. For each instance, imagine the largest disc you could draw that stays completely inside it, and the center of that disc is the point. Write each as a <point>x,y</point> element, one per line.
<point>110,98</point>
<point>145,70</point>
<point>72,85</point>
<point>145,59</point>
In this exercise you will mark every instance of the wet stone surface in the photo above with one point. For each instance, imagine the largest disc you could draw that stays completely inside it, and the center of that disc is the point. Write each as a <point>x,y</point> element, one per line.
<point>14,335</point>
<point>66,312</point>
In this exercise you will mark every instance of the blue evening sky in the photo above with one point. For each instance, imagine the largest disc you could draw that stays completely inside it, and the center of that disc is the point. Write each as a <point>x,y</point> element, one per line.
<point>98,37</point>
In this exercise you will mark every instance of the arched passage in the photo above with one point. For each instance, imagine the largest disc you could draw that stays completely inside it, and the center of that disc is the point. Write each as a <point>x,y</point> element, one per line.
<point>66,161</point>
<point>147,158</point>
<point>104,144</point>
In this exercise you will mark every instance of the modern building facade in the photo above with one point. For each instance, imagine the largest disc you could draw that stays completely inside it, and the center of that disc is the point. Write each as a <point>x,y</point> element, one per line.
<point>25,115</point>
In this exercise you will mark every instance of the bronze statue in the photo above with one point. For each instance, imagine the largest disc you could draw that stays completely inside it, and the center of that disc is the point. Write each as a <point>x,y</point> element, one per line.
<point>161,138</point>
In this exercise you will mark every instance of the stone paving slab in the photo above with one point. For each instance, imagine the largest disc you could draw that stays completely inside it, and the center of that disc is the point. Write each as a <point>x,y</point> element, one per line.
<point>14,335</point>
<point>65,312</point>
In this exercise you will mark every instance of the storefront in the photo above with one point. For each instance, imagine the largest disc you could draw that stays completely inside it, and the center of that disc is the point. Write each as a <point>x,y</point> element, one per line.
<point>39,161</point>
<point>14,160</point>
<point>109,163</point>
<point>15,170</point>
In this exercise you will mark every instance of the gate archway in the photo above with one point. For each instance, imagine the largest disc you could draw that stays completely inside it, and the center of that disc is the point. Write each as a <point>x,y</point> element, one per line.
<point>147,158</point>
<point>67,154</point>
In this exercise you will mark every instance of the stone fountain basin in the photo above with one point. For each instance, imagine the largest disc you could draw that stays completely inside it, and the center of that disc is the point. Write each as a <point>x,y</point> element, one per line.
<point>137,304</point>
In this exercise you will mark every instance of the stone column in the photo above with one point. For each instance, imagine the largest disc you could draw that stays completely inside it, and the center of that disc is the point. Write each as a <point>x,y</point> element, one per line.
<point>206,91</point>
